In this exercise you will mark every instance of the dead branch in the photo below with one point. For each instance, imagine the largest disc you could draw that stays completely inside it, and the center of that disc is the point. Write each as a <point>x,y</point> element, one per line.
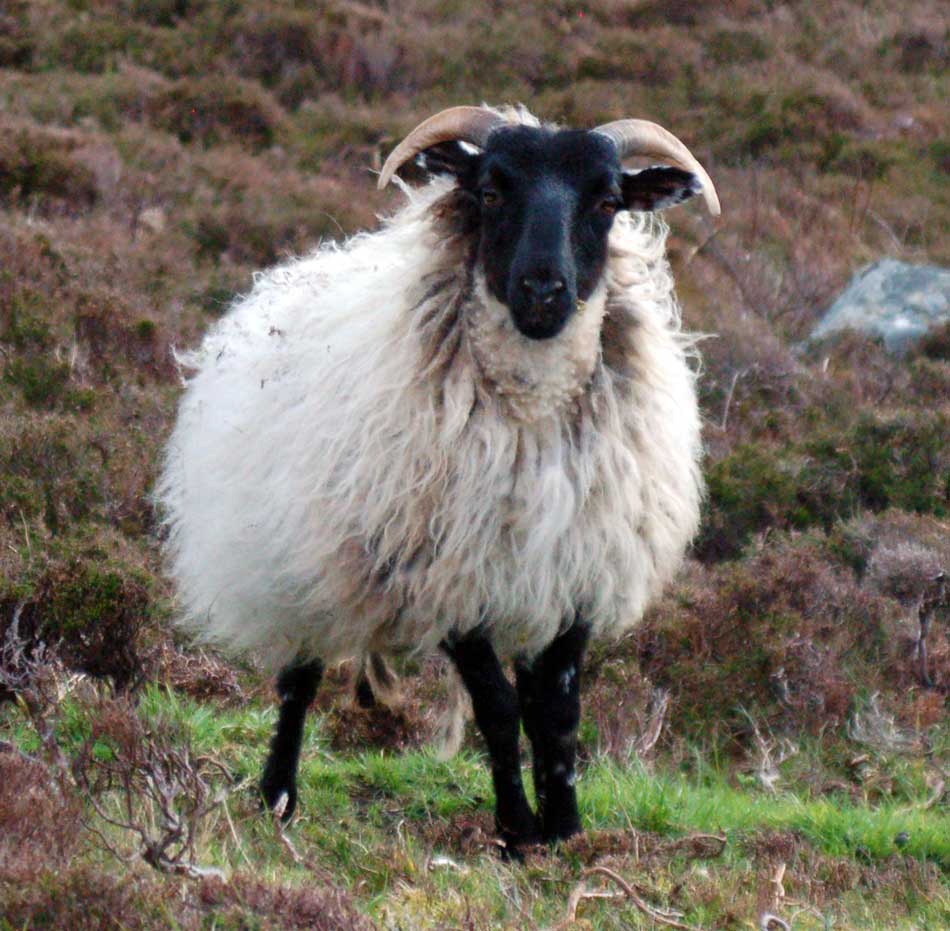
<point>732,387</point>
<point>664,917</point>
<point>771,755</point>
<point>875,728</point>
<point>278,818</point>
<point>652,727</point>
<point>578,895</point>
<point>162,790</point>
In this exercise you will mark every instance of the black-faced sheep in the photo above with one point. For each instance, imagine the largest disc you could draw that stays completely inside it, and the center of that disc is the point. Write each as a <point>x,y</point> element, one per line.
<point>475,429</point>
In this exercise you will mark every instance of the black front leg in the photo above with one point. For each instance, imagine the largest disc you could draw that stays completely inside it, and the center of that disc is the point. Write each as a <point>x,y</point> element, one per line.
<point>296,687</point>
<point>495,704</point>
<point>549,690</point>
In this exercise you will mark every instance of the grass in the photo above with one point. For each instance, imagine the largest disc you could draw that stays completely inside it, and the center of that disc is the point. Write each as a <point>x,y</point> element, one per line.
<point>408,835</point>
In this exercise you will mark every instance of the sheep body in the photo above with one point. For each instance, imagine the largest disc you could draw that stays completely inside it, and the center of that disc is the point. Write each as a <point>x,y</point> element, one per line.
<point>370,457</point>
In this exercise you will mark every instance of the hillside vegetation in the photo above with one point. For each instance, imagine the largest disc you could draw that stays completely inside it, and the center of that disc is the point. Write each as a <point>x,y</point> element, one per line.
<point>762,743</point>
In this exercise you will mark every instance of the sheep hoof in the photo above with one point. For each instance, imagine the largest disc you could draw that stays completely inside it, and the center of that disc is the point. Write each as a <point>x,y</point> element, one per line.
<point>281,800</point>
<point>515,840</point>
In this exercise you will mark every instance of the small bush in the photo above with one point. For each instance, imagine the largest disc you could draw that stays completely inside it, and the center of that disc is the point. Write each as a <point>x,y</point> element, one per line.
<point>748,491</point>
<point>936,343</point>
<point>35,166</point>
<point>17,43</point>
<point>623,56</point>
<point>916,52</point>
<point>165,12</point>
<point>786,633</point>
<point>91,46</point>
<point>40,380</point>
<point>875,464</point>
<point>39,819</point>
<point>213,110</point>
<point>736,46</point>
<point>93,610</point>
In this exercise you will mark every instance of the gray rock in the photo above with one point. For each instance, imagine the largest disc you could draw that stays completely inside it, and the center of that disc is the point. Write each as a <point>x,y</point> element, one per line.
<point>892,300</point>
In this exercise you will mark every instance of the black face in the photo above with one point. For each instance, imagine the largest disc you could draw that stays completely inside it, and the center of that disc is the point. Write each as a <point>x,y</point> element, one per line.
<point>547,200</point>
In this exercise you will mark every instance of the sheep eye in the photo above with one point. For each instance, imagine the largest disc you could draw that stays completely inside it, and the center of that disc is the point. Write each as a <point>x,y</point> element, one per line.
<point>609,206</point>
<point>490,197</point>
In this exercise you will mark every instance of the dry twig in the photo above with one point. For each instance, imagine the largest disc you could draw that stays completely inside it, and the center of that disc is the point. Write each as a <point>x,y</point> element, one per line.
<point>663,917</point>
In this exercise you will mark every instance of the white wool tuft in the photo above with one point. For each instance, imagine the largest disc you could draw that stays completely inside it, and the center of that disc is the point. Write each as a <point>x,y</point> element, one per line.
<point>369,456</point>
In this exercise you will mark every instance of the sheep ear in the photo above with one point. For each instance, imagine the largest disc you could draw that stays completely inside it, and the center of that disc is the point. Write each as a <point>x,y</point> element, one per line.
<point>448,158</point>
<point>658,188</point>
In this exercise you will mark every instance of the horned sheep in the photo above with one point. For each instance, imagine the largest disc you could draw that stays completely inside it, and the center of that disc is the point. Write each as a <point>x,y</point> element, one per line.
<point>474,430</point>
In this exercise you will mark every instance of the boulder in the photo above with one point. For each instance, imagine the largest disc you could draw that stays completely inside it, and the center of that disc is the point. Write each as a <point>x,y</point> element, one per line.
<point>892,300</point>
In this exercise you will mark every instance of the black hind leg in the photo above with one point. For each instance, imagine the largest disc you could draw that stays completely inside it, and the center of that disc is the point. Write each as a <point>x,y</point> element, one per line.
<point>296,687</point>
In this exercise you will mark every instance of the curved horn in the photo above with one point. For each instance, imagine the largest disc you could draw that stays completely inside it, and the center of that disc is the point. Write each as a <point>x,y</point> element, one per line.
<point>641,137</point>
<point>469,124</point>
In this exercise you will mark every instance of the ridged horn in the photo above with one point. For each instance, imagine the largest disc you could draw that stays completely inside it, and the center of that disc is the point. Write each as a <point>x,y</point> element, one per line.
<point>466,124</point>
<point>641,137</point>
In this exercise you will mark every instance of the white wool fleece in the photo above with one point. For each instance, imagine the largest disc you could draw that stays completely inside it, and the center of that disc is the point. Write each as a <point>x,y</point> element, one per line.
<point>370,456</point>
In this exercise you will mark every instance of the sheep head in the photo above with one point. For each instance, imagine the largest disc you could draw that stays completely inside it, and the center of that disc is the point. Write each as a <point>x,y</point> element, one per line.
<point>546,199</point>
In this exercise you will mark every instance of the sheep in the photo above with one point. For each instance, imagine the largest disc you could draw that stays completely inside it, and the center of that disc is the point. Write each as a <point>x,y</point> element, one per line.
<point>474,430</point>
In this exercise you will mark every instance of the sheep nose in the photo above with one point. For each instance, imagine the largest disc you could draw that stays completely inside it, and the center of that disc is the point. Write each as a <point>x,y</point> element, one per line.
<point>542,290</point>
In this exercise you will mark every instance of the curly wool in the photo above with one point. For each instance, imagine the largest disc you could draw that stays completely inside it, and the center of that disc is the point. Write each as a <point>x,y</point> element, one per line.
<point>370,457</point>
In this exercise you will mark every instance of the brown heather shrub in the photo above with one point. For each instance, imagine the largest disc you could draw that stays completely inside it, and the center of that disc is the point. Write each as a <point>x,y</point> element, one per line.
<point>17,43</point>
<point>300,53</point>
<point>316,905</point>
<point>36,167</point>
<point>409,721</point>
<point>215,110</point>
<point>621,708</point>
<point>39,818</point>
<point>785,634</point>
<point>902,570</point>
<point>83,897</point>
<point>107,332</point>
<point>199,673</point>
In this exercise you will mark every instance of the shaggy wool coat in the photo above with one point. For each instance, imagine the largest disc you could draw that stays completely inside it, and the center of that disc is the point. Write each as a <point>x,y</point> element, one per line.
<point>369,456</point>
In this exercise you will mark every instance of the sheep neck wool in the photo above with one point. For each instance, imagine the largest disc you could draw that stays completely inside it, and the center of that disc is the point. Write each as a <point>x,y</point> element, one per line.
<point>533,379</point>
